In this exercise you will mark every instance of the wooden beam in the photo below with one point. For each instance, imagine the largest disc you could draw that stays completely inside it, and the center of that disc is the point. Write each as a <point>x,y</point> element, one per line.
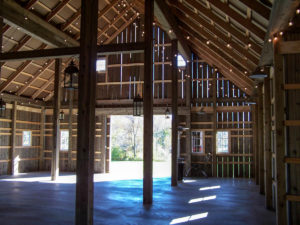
<point>148,104</point>
<point>86,114</point>
<point>255,144</point>
<point>291,86</point>
<point>211,29</point>
<point>260,139</point>
<point>107,49</point>
<point>70,127</point>
<point>258,7</point>
<point>168,22</point>
<point>280,142</point>
<point>56,125</point>
<point>289,47</point>
<point>42,139</point>
<point>14,161</point>
<point>174,174</point>
<point>214,120</point>
<point>188,139</point>
<point>267,143</point>
<point>231,30</point>
<point>33,25</point>
<point>56,9</point>
<point>22,100</point>
<point>246,23</point>
<point>282,12</point>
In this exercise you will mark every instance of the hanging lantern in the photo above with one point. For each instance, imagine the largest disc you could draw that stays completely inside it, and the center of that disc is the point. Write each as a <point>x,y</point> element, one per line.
<point>167,113</point>
<point>71,76</point>
<point>61,115</point>
<point>2,108</point>
<point>137,106</point>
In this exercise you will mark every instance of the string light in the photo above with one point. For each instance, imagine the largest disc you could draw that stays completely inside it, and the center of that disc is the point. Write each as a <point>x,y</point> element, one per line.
<point>249,45</point>
<point>208,42</point>
<point>280,33</point>
<point>270,40</point>
<point>291,23</point>
<point>298,11</point>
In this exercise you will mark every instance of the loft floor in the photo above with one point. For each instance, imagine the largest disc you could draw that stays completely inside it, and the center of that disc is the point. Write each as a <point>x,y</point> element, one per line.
<point>33,199</point>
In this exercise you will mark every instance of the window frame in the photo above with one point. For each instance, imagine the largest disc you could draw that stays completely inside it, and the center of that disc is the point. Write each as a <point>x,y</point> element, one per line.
<point>30,142</point>
<point>60,148</point>
<point>203,142</point>
<point>229,142</point>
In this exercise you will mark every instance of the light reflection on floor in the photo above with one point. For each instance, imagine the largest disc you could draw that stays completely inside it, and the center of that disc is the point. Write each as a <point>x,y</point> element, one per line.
<point>189,218</point>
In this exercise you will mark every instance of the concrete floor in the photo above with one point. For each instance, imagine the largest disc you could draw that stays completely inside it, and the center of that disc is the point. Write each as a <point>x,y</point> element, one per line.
<point>32,199</point>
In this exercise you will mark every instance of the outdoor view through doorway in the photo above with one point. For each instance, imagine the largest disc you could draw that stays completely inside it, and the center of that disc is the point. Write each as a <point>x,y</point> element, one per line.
<point>126,138</point>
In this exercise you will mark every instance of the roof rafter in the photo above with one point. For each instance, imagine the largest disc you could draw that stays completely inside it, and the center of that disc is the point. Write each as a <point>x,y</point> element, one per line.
<point>246,23</point>
<point>258,7</point>
<point>231,30</point>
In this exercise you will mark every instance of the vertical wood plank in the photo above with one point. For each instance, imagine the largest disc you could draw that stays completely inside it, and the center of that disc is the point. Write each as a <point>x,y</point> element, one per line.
<point>280,151</point>
<point>107,154</point>
<point>148,103</point>
<point>260,139</point>
<point>214,118</point>
<point>70,128</point>
<point>174,174</point>
<point>188,140</point>
<point>86,113</point>
<point>56,124</point>
<point>255,143</point>
<point>14,162</point>
<point>42,139</point>
<point>267,144</point>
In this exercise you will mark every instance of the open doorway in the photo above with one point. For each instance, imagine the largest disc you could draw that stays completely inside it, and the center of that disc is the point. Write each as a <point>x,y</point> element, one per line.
<point>126,138</point>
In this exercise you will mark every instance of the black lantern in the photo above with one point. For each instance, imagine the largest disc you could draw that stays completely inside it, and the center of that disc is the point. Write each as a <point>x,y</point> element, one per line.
<point>2,108</point>
<point>137,105</point>
<point>61,115</point>
<point>71,76</point>
<point>167,113</point>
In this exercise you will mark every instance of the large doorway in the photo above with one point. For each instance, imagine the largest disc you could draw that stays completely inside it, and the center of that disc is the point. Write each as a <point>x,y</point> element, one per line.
<point>126,138</point>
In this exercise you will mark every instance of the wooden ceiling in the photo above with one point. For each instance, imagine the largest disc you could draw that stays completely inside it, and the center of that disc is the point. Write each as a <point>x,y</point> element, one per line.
<point>227,34</point>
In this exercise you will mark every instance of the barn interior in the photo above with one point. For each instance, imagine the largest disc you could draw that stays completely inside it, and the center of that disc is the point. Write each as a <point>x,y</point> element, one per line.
<point>225,71</point>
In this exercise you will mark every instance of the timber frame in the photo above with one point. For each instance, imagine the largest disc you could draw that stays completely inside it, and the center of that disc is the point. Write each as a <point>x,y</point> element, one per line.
<point>222,41</point>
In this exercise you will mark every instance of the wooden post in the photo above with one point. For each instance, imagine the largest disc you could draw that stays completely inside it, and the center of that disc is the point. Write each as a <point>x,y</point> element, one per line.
<point>56,123</point>
<point>260,139</point>
<point>214,118</point>
<point>103,144</point>
<point>148,104</point>
<point>188,158</point>
<point>70,127</point>
<point>42,139</point>
<point>255,144</point>
<point>267,143</point>
<point>86,113</point>
<point>174,52</point>
<point>14,162</point>
<point>280,151</point>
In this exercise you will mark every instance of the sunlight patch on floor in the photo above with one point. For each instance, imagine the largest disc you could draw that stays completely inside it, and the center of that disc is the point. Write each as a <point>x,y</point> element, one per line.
<point>209,188</point>
<point>189,218</point>
<point>202,199</point>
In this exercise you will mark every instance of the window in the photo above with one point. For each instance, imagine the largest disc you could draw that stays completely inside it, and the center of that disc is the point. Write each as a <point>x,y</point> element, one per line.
<point>222,142</point>
<point>101,65</point>
<point>64,140</point>
<point>197,142</point>
<point>180,61</point>
<point>26,139</point>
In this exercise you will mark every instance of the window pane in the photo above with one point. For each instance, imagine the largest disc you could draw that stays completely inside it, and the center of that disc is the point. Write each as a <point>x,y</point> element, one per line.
<point>64,140</point>
<point>197,141</point>
<point>26,139</point>
<point>101,65</point>
<point>180,61</point>
<point>222,142</point>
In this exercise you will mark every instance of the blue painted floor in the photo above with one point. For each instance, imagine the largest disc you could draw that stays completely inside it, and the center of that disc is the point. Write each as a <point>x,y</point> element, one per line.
<point>32,199</point>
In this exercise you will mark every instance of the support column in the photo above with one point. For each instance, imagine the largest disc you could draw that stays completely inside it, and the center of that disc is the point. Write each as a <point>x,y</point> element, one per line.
<point>280,142</point>
<point>42,139</point>
<point>267,144</point>
<point>148,104</point>
<point>86,113</point>
<point>174,52</point>
<point>14,162</point>
<point>214,118</point>
<point>255,144</point>
<point>188,148</point>
<point>56,123</point>
<point>260,139</point>
<point>70,127</point>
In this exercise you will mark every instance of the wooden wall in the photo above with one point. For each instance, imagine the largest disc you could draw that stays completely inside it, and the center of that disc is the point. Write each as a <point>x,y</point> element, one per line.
<point>26,158</point>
